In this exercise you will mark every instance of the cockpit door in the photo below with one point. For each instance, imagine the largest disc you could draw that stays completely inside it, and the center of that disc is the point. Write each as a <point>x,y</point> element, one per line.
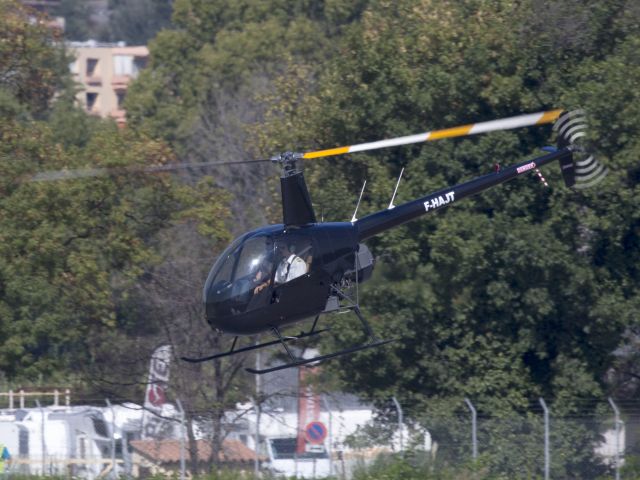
<point>298,284</point>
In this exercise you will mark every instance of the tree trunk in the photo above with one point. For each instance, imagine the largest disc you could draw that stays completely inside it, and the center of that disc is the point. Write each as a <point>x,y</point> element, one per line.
<point>218,413</point>
<point>193,448</point>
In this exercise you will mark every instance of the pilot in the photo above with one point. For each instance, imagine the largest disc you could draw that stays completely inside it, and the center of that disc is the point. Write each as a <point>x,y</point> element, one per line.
<point>291,266</point>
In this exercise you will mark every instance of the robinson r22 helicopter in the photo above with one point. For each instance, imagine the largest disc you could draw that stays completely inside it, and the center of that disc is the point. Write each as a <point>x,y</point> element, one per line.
<point>282,274</point>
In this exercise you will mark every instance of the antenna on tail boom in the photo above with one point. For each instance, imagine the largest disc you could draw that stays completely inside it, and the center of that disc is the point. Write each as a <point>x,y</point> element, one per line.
<point>353,219</point>
<point>393,197</point>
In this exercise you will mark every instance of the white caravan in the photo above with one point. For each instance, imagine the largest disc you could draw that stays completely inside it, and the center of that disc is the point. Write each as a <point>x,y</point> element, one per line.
<point>69,441</point>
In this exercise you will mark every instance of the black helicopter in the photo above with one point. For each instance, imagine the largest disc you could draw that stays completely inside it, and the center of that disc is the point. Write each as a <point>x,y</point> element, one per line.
<point>301,269</point>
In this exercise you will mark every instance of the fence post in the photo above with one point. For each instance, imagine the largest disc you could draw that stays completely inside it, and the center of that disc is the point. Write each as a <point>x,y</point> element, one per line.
<point>42,443</point>
<point>618,423</point>
<point>257,406</point>
<point>182,459</point>
<point>400,420</point>
<point>256,436</point>
<point>474,428</point>
<point>547,454</point>
<point>11,399</point>
<point>113,438</point>
<point>22,399</point>
<point>330,433</point>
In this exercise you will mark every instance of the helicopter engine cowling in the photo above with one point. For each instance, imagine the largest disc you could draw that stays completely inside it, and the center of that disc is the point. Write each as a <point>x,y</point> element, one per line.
<point>364,263</point>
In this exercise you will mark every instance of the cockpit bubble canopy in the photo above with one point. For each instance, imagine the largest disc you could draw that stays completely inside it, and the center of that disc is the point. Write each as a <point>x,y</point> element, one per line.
<point>254,264</point>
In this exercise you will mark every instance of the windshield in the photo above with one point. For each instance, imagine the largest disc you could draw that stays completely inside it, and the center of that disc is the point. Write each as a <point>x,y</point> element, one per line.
<point>241,273</point>
<point>246,274</point>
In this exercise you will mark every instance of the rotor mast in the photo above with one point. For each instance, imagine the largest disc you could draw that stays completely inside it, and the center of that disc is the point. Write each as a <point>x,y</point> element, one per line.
<point>297,209</point>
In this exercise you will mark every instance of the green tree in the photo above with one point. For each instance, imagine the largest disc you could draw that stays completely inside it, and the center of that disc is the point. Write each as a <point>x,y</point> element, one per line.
<point>204,85</point>
<point>520,292</point>
<point>93,269</point>
<point>221,46</point>
<point>67,246</point>
<point>77,20</point>
<point>208,77</point>
<point>32,68</point>
<point>137,21</point>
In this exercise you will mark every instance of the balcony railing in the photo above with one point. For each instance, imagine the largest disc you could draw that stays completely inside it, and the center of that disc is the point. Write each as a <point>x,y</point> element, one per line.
<point>120,81</point>
<point>94,80</point>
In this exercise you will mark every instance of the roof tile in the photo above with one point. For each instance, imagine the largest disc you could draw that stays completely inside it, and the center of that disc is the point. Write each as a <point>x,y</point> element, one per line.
<point>168,451</point>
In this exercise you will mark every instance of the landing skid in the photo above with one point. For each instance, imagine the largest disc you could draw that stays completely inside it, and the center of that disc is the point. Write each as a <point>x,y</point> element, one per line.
<point>233,350</point>
<point>306,361</point>
<point>372,341</point>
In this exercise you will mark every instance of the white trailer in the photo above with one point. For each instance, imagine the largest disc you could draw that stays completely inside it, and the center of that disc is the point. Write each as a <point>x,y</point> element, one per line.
<point>69,441</point>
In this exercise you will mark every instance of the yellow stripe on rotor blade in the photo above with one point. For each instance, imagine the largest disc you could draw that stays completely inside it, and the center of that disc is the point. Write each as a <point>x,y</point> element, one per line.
<point>326,153</point>
<point>550,116</point>
<point>450,132</point>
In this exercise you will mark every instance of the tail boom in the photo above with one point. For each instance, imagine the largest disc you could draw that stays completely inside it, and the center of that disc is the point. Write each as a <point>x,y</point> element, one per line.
<point>385,219</point>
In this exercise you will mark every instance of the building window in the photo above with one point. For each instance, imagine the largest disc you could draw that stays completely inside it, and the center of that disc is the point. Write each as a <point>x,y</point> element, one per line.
<point>120,94</point>
<point>100,427</point>
<point>128,65</point>
<point>92,97</point>
<point>91,66</point>
<point>123,64</point>
<point>139,63</point>
<point>82,447</point>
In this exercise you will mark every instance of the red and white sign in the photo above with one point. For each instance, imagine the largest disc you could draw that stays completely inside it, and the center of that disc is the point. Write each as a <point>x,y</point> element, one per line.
<point>308,406</point>
<point>155,396</point>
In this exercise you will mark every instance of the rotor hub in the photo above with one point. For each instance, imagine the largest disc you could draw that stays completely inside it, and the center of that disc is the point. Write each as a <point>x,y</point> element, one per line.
<point>288,162</point>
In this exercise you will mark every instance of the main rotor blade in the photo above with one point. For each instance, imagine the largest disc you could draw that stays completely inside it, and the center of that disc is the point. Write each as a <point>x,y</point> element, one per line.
<point>538,118</point>
<point>509,123</point>
<point>53,175</point>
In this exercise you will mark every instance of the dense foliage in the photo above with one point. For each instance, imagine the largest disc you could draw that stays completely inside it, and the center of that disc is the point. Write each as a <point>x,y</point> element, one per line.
<point>73,252</point>
<point>523,291</point>
<point>31,68</point>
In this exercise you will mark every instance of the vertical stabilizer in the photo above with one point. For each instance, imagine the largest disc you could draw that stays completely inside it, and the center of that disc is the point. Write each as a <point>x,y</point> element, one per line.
<point>296,201</point>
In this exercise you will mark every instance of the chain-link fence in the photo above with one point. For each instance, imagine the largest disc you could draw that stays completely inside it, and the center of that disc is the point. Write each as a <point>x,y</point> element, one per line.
<point>591,442</point>
<point>346,440</point>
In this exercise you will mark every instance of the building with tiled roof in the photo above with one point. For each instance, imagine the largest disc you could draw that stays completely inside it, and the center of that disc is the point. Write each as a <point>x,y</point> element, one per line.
<point>151,457</point>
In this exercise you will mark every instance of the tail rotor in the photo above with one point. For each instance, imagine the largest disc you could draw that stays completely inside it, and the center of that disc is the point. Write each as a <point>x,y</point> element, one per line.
<point>581,170</point>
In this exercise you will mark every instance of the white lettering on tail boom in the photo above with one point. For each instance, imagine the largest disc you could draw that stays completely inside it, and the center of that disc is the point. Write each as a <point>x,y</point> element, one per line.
<point>439,201</point>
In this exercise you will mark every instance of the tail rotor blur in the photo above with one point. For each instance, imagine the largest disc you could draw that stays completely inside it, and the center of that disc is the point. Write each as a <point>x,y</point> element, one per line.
<point>583,170</point>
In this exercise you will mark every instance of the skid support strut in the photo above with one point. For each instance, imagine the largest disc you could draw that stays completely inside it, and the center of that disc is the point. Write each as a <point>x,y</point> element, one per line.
<point>233,351</point>
<point>372,341</point>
